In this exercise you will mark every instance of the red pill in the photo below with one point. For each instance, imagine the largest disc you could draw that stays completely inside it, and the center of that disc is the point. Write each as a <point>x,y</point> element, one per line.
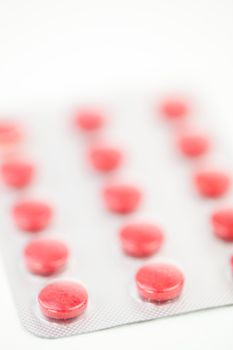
<point>63,300</point>
<point>122,199</point>
<point>32,216</point>
<point>141,240</point>
<point>17,174</point>
<point>174,109</point>
<point>89,120</point>
<point>9,132</point>
<point>222,222</point>
<point>212,184</point>
<point>159,282</point>
<point>105,159</point>
<point>45,256</point>
<point>193,145</point>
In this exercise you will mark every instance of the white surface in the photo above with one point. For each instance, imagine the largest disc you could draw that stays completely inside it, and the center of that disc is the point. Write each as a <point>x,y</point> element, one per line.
<point>59,50</point>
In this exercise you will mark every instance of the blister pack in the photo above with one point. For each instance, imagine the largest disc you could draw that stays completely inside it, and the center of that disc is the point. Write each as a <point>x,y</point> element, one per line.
<point>114,213</point>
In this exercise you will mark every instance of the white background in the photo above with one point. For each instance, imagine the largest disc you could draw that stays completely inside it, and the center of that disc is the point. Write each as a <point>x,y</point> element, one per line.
<point>56,51</point>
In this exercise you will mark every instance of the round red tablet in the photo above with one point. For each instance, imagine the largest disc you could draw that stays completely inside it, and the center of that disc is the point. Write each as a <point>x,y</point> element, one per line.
<point>105,159</point>
<point>32,216</point>
<point>89,120</point>
<point>222,222</point>
<point>17,173</point>
<point>174,109</point>
<point>212,184</point>
<point>193,145</point>
<point>45,256</point>
<point>63,300</point>
<point>159,282</point>
<point>122,199</point>
<point>140,239</point>
<point>9,132</point>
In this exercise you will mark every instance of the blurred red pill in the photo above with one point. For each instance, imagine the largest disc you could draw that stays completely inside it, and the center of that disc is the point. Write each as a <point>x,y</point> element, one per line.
<point>193,145</point>
<point>10,132</point>
<point>141,240</point>
<point>122,199</point>
<point>63,300</point>
<point>174,109</point>
<point>89,120</point>
<point>212,184</point>
<point>222,222</point>
<point>159,282</point>
<point>32,216</point>
<point>45,256</point>
<point>105,159</point>
<point>17,173</point>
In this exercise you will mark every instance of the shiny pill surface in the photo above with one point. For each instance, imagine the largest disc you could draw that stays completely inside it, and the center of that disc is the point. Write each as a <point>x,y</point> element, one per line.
<point>104,158</point>
<point>211,184</point>
<point>17,174</point>
<point>193,145</point>
<point>141,239</point>
<point>10,132</point>
<point>89,120</point>
<point>45,256</point>
<point>63,300</point>
<point>32,216</point>
<point>122,198</point>
<point>174,109</point>
<point>159,282</point>
<point>222,222</point>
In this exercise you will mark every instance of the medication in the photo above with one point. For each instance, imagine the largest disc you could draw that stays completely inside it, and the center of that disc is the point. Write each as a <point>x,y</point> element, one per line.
<point>10,132</point>
<point>159,282</point>
<point>45,256</point>
<point>222,222</point>
<point>157,256</point>
<point>89,120</point>
<point>105,159</point>
<point>212,184</point>
<point>122,198</point>
<point>63,300</point>
<point>193,145</point>
<point>174,109</point>
<point>17,174</point>
<point>32,216</point>
<point>141,239</point>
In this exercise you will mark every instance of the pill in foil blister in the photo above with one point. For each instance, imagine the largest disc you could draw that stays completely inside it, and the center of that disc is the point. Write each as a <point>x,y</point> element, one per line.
<point>104,242</point>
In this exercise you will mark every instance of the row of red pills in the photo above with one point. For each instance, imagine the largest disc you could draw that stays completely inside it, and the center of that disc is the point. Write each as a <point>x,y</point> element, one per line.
<point>209,183</point>
<point>43,256</point>
<point>64,299</point>
<point>155,282</point>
